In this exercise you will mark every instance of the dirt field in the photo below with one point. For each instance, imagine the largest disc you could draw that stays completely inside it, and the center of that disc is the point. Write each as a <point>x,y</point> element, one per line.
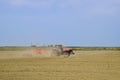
<point>85,65</point>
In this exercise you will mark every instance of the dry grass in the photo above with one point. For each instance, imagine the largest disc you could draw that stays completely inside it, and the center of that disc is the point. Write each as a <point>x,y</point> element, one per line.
<point>85,65</point>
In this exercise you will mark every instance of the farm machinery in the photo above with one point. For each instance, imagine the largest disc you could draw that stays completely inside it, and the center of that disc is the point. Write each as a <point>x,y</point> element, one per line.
<point>56,50</point>
<point>60,50</point>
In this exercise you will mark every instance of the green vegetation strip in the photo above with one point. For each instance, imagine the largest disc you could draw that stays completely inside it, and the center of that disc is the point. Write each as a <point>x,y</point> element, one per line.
<point>14,48</point>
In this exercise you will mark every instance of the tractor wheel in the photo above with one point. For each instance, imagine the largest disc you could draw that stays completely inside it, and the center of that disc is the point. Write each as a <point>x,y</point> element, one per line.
<point>55,53</point>
<point>72,53</point>
<point>66,54</point>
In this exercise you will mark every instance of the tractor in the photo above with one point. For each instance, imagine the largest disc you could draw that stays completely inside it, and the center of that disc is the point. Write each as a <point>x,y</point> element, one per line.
<point>59,50</point>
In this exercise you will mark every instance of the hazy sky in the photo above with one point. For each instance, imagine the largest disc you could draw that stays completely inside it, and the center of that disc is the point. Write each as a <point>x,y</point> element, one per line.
<point>68,22</point>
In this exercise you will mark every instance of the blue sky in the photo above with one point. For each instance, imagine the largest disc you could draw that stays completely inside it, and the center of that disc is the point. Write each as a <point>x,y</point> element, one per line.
<point>67,22</point>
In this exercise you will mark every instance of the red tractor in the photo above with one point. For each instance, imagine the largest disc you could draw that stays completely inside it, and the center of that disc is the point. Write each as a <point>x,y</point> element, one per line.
<point>59,50</point>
